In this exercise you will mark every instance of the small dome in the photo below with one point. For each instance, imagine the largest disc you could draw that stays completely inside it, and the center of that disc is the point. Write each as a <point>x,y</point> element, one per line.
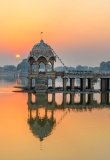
<point>42,49</point>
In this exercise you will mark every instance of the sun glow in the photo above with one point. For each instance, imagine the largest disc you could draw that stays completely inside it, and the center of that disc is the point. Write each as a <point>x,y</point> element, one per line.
<point>17,56</point>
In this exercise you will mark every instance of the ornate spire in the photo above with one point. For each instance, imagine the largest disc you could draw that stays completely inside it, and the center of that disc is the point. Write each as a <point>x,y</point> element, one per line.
<point>41,33</point>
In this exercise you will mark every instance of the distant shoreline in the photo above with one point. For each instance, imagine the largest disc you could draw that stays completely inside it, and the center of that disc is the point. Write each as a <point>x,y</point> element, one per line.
<point>7,73</point>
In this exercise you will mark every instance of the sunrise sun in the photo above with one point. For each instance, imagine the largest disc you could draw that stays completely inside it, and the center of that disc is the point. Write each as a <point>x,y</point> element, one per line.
<point>17,56</point>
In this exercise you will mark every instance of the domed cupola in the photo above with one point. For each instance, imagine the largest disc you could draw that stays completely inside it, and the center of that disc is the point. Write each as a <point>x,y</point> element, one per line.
<point>41,60</point>
<point>42,49</point>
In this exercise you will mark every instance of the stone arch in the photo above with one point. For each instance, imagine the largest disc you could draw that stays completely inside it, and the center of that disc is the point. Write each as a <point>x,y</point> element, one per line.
<point>52,58</point>
<point>42,59</point>
<point>51,61</point>
<point>32,61</point>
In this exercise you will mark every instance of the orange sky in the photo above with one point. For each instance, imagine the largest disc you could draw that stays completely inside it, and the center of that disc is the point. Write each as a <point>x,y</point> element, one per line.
<point>79,29</point>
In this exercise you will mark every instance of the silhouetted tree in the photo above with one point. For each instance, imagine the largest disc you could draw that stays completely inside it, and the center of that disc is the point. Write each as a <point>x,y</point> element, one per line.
<point>24,65</point>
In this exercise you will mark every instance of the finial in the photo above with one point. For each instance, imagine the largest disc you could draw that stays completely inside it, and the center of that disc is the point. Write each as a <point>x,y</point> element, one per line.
<point>41,35</point>
<point>40,145</point>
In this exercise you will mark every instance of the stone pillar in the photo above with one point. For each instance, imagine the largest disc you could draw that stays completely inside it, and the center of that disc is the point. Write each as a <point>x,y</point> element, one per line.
<point>53,98</point>
<point>36,113</point>
<point>64,84</point>
<point>53,82</point>
<point>82,98</point>
<point>72,82</point>
<point>30,68</point>
<point>108,83</point>
<point>46,112</point>
<point>90,99</point>
<point>104,98</point>
<point>71,98</point>
<point>46,67</point>
<point>83,84</point>
<point>108,98</point>
<point>90,84</point>
<point>52,67</point>
<point>29,98</point>
<point>37,67</point>
<point>30,114</point>
<point>105,84</point>
<point>35,98</point>
<point>29,83</point>
<point>64,100</point>
<point>52,114</point>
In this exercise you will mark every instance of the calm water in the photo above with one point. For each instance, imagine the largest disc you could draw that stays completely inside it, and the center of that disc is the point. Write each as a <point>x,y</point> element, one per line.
<point>53,127</point>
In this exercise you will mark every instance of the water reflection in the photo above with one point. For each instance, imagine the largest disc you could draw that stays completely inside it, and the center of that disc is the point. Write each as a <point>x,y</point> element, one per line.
<point>42,108</point>
<point>7,78</point>
<point>40,123</point>
<point>6,84</point>
<point>63,124</point>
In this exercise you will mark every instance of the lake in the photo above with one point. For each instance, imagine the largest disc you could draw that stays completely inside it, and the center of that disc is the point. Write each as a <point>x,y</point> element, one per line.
<point>53,126</point>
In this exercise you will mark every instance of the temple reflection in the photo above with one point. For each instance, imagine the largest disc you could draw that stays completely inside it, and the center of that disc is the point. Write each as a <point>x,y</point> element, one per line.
<point>41,119</point>
<point>42,108</point>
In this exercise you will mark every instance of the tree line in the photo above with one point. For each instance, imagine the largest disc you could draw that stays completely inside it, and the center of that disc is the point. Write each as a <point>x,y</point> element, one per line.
<point>8,68</point>
<point>104,66</point>
<point>24,66</point>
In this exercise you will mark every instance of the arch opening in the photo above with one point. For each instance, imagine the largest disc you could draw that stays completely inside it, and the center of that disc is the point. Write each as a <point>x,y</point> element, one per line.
<point>33,67</point>
<point>42,67</point>
<point>59,83</point>
<point>49,98</point>
<point>33,82</point>
<point>33,100</point>
<point>49,83</point>
<point>49,69</point>
<point>59,98</point>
